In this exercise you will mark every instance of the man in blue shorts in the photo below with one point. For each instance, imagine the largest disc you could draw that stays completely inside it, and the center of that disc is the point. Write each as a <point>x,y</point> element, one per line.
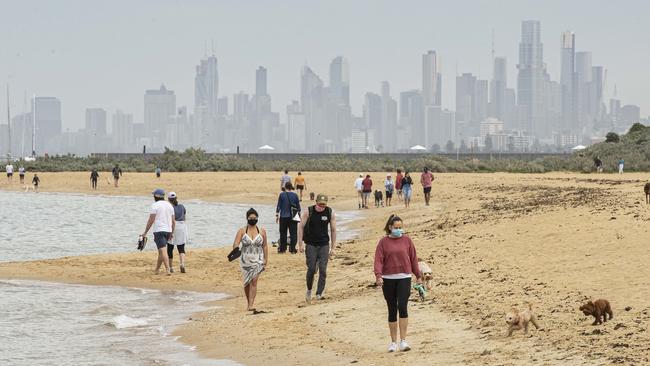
<point>161,217</point>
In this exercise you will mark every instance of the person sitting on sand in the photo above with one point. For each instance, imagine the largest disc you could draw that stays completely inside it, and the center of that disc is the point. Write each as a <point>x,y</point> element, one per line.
<point>94,176</point>
<point>395,260</point>
<point>179,238</point>
<point>316,221</point>
<point>36,181</point>
<point>254,255</point>
<point>161,217</point>
<point>407,189</point>
<point>300,184</point>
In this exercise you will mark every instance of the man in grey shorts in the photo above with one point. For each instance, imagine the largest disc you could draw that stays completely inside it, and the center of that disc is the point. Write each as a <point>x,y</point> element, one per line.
<point>313,231</point>
<point>161,217</point>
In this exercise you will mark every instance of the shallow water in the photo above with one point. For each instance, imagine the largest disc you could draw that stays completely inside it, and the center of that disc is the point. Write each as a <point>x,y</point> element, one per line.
<point>60,324</point>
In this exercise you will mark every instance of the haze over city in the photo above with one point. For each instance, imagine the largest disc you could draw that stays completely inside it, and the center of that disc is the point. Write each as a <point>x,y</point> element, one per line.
<point>103,62</point>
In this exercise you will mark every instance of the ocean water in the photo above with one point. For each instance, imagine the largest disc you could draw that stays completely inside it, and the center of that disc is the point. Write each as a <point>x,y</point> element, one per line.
<point>44,323</point>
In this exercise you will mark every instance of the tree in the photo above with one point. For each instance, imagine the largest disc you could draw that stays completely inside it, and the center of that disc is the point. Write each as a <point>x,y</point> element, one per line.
<point>435,148</point>
<point>637,127</point>
<point>612,137</point>
<point>488,143</point>
<point>449,147</point>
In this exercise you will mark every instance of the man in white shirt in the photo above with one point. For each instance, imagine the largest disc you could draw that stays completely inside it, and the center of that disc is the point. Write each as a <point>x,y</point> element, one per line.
<point>161,217</point>
<point>358,185</point>
<point>10,172</point>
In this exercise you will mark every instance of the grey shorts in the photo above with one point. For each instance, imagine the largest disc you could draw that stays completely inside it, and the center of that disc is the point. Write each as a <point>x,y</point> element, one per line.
<point>161,239</point>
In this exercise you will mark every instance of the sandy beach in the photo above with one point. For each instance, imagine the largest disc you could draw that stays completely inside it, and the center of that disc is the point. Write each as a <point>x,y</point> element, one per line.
<point>494,241</point>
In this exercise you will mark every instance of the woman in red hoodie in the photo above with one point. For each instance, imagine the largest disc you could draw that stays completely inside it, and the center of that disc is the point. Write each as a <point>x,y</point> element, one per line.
<point>395,260</point>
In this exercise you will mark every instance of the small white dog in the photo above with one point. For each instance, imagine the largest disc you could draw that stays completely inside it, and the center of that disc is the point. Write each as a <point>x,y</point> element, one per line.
<point>518,320</point>
<point>426,274</point>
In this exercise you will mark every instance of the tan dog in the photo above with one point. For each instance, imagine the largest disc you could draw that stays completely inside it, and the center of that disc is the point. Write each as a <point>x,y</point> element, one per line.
<point>519,320</point>
<point>599,308</point>
<point>427,274</point>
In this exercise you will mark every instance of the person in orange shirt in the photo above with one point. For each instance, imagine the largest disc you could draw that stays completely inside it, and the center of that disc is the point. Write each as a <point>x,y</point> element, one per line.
<point>300,184</point>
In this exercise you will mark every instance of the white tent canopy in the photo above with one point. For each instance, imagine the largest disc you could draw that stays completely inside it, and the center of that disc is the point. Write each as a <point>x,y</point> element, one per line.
<point>418,147</point>
<point>266,147</point>
<point>579,147</point>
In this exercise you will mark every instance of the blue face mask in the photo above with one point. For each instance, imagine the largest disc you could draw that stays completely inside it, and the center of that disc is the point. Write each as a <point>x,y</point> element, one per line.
<point>396,233</point>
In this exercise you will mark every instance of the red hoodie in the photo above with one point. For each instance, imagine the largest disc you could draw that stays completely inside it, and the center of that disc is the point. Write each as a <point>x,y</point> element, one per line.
<point>396,255</point>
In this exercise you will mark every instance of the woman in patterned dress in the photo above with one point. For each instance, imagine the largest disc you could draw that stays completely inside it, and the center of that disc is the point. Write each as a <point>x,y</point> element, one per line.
<point>254,255</point>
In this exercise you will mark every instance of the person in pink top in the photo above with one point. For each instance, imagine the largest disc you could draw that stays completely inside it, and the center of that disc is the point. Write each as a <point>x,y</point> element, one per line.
<point>395,260</point>
<point>427,181</point>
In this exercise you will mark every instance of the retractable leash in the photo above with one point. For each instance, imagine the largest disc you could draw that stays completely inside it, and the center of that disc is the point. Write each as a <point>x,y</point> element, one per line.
<point>421,291</point>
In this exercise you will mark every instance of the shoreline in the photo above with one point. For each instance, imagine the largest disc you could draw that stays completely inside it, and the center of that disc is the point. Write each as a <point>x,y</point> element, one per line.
<point>493,241</point>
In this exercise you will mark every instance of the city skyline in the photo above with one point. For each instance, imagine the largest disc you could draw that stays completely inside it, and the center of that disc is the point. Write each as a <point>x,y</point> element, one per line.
<point>35,60</point>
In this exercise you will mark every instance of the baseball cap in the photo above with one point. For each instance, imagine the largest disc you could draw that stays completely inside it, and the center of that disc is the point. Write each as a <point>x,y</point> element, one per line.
<point>159,192</point>
<point>321,198</point>
<point>171,195</point>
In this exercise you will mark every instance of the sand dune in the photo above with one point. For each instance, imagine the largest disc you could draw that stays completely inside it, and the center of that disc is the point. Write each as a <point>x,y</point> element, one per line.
<point>494,241</point>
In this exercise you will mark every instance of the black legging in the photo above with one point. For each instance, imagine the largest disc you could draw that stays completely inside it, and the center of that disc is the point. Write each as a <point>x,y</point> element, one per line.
<point>397,293</point>
<point>170,250</point>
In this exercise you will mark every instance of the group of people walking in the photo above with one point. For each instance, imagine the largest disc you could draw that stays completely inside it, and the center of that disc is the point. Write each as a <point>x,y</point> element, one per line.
<point>402,185</point>
<point>21,174</point>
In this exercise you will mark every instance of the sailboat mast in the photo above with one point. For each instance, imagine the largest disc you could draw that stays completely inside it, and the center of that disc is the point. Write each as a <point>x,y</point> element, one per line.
<point>8,123</point>
<point>34,127</point>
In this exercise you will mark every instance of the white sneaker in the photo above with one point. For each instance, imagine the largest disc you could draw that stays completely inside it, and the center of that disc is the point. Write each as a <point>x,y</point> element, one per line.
<point>392,347</point>
<point>308,297</point>
<point>403,346</point>
<point>319,297</point>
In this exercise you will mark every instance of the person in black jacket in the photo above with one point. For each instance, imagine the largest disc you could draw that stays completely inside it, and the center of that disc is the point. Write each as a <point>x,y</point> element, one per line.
<point>285,214</point>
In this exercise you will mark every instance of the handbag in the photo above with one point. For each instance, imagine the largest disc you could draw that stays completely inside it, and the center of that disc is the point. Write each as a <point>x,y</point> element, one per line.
<point>234,254</point>
<point>295,212</point>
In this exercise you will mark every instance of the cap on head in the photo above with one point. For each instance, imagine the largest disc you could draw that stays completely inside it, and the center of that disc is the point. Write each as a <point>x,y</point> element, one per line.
<point>159,192</point>
<point>171,195</point>
<point>388,175</point>
<point>321,198</point>
<point>360,175</point>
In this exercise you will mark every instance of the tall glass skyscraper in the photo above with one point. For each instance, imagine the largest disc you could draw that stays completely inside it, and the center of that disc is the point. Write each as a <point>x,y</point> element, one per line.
<point>568,81</point>
<point>430,78</point>
<point>339,86</point>
<point>530,80</point>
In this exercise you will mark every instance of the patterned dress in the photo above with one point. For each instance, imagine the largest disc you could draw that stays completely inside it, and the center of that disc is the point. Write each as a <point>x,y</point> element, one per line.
<point>251,260</point>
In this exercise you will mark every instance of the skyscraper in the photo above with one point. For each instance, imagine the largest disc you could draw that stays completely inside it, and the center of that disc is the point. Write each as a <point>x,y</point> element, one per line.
<point>530,79</point>
<point>465,97</point>
<point>206,87</point>
<point>583,82</point>
<point>388,119</point>
<point>159,109</point>
<point>568,82</point>
<point>48,125</point>
<point>412,116</point>
<point>498,88</point>
<point>122,131</point>
<point>260,81</point>
<point>312,102</point>
<point>430,78</point>
<point>96,121</point>
<point>339,86</point>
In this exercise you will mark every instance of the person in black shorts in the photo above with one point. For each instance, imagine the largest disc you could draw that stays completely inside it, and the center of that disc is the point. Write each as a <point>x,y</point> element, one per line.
<point>36,181</point>
<point>93,178</point>
<point>117,173</point>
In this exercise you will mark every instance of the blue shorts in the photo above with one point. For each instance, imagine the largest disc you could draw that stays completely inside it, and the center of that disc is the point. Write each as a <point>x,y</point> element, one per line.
<point>161,238</point>
<point>408,191</point>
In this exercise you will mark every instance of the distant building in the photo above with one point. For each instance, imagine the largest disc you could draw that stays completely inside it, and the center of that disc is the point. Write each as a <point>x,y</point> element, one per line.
<point>123,133</point>
<point>159,110</point>
<point>491,126</point>
<point>568,83</point>
<point>339,86</point>
<point>430,79</point>
<point>48,124</point>
<point>96,121</point>
<point>498,88</point>
<point>531,76</point>
<point>260,81</point>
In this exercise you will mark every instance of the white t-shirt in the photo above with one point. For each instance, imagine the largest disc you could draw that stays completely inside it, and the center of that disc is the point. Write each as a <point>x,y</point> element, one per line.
<point>358,184</point>
<point>10,168</point>
<point>164,212</point>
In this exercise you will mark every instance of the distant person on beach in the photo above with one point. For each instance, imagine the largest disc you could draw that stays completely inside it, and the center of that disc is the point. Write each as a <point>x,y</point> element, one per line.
<point>389,185</point>
<point>94,176</point>
<point>407,189</point>
<point>599,164</point>
<point>426,179</point>
<point>10,172</point>
<point>161,217</point>
<point>398,183</point>
<point>318,223</point>
<point>254,255</point>
<point>300,184</point>
<point>358,185</point>
<point>286,178</point>
<point>158,171</point>
<point>621,165</point>
<point>285,214</point>
<point>180,233</point>
<point>367,190</point>
<point>117,173</point>
<point>36,181</point>
<point>21,174</point>
<point>395,260</point>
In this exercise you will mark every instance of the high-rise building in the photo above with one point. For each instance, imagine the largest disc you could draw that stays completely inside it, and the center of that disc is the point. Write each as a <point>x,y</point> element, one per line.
<point>47,122</point>
<point>339,86</point>
<point>388,119</point>
<point>312,102</point>
<point>159,110</point>
<point>412,116</point>
<point>583,82</point>
<point>122,132</point>
<point>465,97</point>
<point>96,121</point>
<point>430,78</point>
<point>531,78</point>
<point>206,87</point>
<point>240,108</point>
<point>568,82</point>
<point>260,81</point>
<point>498,88</point>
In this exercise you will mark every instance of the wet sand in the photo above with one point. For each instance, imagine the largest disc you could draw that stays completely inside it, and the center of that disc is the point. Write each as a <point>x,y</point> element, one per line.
<point>494,241</point>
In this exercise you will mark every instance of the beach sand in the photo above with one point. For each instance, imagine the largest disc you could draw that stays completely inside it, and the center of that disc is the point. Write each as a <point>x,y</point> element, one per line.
<point>493,241</point>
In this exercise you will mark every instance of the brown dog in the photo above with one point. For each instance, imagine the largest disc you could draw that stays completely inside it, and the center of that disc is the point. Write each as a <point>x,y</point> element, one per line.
<point>599,308</point>
<point>427,274</point>
<point>646,189</point>
<point>519,320</point>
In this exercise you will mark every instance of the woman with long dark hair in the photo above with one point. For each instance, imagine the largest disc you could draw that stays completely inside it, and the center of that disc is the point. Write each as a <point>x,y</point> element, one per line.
<point>395,261</point>
<point>254,255</point>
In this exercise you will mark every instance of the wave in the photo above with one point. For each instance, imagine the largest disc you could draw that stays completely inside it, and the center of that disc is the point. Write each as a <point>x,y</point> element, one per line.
<point>124,321</point>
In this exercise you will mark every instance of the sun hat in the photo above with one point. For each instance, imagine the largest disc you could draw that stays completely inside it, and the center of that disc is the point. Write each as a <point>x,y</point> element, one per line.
<point>159,192</point>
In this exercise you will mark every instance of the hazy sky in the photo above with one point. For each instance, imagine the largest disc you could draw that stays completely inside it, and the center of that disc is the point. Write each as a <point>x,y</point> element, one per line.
<point>106,53</point>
